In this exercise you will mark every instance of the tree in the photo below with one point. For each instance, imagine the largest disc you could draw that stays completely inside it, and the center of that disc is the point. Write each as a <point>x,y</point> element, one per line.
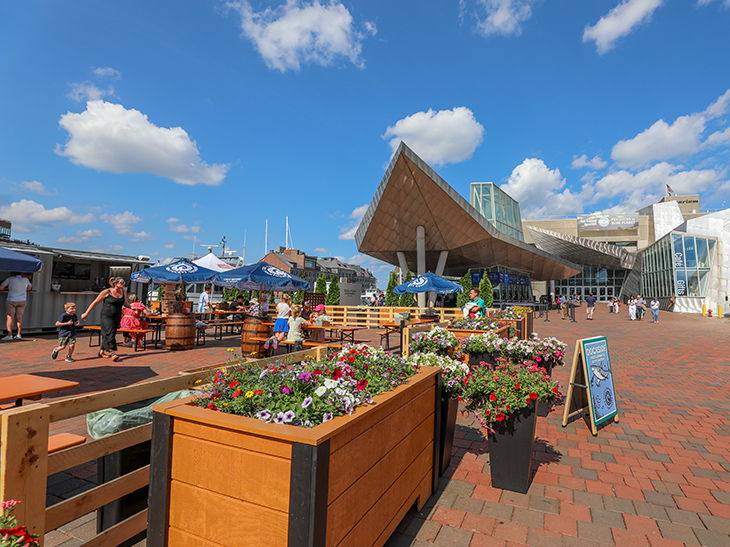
<point>486,291</point>
<point>333,294</point>
<point>321,284</point>
<point>299,295</point>
<point>463,296</point>
<point>392,299</point>
<point>408,299</point>
<point>230,295</point>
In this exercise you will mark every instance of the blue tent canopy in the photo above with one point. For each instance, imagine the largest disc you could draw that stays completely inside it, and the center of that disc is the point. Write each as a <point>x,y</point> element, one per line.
<point>182,271</point>
<point>426,283</point>
<point>12,261</point>
<point>261,276</point>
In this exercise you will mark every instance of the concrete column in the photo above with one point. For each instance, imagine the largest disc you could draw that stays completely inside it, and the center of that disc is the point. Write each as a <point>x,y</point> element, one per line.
<point>421,260</point>
<point>403,266</point>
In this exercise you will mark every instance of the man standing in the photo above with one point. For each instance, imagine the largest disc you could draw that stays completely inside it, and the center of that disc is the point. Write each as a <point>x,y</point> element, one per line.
<point>590,305</point>
<point>18,286</point>
<point>204,300</point>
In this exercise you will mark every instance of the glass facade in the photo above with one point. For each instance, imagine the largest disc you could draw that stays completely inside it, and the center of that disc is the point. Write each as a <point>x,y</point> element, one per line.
<point>603,283</point>
<point>677,265</point>
<point>498,208</point>
<point>508,285</point>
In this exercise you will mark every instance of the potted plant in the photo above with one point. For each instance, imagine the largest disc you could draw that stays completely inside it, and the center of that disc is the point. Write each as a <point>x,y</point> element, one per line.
<point>12,535</point>
<point>483,348</point>
<point>318,452</point>
<point>454,376</point>
<point>503,400</point>
<point>439,340</point>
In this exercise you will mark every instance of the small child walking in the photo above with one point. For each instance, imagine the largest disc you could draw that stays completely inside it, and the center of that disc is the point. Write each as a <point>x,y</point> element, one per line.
<point>67,324</point>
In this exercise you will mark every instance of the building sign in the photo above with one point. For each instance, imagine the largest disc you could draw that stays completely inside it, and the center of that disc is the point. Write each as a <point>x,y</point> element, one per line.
<point>601,222</point>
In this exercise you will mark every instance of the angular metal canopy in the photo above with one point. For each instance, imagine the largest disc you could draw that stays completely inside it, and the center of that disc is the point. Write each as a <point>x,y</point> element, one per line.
<point>411,194</point>
<point>580,249</point>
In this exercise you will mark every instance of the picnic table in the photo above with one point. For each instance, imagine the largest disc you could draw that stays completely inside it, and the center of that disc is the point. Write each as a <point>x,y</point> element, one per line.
<point>30,386</point>
<point>391,327</point>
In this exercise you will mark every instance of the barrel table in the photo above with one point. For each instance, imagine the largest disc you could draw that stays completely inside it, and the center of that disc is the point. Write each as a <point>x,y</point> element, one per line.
<point>180,331</point>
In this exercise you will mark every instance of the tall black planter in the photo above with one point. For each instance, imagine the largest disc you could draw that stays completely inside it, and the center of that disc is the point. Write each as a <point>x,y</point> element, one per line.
<point>543,408</point>
<point>449,407</point>
<point>475,359</point>
<point>510,451</point>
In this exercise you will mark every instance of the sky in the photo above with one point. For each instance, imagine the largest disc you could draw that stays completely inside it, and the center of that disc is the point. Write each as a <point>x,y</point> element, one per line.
<point>157,128</point>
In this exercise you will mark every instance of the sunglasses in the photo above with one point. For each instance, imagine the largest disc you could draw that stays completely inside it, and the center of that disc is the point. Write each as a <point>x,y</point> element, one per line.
<point>121,283</point>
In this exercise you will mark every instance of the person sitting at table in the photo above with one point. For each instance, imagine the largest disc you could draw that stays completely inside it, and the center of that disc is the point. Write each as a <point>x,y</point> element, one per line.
<point>307,311</point>
<point>132,319</point>
<point>296,324</point>
<point>240,306</point>
<point>254,309</point>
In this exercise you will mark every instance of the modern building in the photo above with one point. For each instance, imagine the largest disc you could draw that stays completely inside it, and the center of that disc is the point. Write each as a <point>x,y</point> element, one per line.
<point>497,207</point>
<point>416,221</point>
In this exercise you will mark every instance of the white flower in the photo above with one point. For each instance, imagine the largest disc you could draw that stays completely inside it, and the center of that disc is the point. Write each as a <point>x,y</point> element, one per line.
<point>321,390</point>
<point>329,383</point>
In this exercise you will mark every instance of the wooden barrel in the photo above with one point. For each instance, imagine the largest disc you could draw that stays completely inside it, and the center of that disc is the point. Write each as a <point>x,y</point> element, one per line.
<point>253,327</point>
<point>180,331</point>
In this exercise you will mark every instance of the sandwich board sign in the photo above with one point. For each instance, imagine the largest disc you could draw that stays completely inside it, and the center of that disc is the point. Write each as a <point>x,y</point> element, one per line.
<point>591,383</point>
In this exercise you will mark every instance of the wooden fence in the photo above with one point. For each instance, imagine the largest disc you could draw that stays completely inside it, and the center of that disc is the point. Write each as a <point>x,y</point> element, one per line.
<point>25,463</point>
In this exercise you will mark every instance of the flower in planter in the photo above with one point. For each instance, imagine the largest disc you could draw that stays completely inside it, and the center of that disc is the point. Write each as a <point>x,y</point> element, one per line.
<point>494,395</point>
<point>478,323</point>
<point>488,342</point>
<point>454,373</point>
<point>306,393</point>
<point>512,312</point>
<point>12,535</point>
<point>437,340</point>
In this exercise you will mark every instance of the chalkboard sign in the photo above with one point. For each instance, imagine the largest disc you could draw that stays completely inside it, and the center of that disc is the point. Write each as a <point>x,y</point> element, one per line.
<point>591,383</point>
<point>71,270</point>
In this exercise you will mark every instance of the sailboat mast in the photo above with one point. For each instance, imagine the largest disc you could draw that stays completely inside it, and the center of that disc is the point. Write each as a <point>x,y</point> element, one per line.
<point>266,238</point>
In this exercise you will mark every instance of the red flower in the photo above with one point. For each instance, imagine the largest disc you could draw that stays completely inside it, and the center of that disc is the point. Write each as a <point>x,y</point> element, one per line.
<point>517,386</point>
<point>234,383</point>
<point>492,397</point>
<point>259,392</point>
<point>317,371</point>
<point>533,395</point>
<point>20,531</point>
<point>351,359</point>
<point>362,384</point>
<point>499,417</point>
<point>211,406</point>
<point>336,374</point>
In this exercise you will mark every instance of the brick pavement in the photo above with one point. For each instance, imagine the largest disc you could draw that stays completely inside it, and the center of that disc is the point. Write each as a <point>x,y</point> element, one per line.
<point>658,478</point>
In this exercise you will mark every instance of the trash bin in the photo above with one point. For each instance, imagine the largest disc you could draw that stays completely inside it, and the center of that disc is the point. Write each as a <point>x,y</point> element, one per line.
<point>114,465</point>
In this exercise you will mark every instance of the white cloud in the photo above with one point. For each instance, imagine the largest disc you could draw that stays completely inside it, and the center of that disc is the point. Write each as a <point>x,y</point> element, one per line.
<point>718,138</point>
<point>81,236</point>
<point>662,141</point>
<point>446,136</point>
<point>123,222</point>
<point>348,231</point>
<point>372,264</point>
<point>170,246</point>
<point>503,17</point>
<point>35,186</point>
<point>638,189</point>
<point>88,91</point>
<point>27,215</point>
<point>583,161</point>
<point>108,137</point>
<point>537,188</point>
<point>108,249</point>
<point>298,33</point>
<point>320,251</point>
<point>619,22</point>
<point>107,72</point>
<point>725,3</point>
<point>182,228</point>
<point>141,236</point>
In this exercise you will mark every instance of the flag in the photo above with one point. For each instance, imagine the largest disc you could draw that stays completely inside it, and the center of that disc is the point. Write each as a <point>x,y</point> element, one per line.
<point>669,190</point>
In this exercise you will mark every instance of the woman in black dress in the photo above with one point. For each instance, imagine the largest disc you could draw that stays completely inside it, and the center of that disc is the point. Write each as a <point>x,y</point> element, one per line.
<point>113,300</point>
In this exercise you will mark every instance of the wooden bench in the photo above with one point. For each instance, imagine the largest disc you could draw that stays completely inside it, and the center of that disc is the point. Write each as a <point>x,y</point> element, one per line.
<point>95,330</point>
<point>61,441</point>
<point>289,344</point>
<point>219,326</point>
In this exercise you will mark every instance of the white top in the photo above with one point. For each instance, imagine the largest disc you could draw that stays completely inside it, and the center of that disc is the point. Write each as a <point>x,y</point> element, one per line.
<point>204,301</point>
<point>17,288</point>
<point>295,329</point>
<point>655,304</point>
<point>283,310</point>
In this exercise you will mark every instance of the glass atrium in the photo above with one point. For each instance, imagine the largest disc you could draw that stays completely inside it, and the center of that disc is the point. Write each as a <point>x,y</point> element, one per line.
<point>677,265</point>
<point>498,208</point>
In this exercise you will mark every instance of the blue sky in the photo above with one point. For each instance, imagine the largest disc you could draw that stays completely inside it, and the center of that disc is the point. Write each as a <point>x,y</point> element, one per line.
<point>152,127</point>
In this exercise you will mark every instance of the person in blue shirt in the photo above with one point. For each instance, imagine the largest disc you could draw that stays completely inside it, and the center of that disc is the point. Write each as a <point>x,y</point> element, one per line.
<point>476,304</point>
<point>67,324</point>
<point>590,305</point>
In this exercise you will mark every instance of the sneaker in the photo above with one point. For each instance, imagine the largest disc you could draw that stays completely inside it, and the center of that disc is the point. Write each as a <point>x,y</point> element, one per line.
<point>70,360</point>
<point>8,338</point>
<point>54,354</point>
<point>275,343</point>
<point>266,345</point>
<point>18,337</point>
<point>128,344</point>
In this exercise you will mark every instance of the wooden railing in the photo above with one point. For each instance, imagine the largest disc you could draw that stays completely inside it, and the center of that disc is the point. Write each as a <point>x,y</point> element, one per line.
<point>25,463</point>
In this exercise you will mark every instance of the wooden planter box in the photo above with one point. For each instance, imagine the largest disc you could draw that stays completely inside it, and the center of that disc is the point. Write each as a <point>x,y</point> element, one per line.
<point>502,332</point>
<point>224,480</point>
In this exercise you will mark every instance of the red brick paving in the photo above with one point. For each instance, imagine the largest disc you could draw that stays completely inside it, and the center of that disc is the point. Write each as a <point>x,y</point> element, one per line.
<point>660,477</point>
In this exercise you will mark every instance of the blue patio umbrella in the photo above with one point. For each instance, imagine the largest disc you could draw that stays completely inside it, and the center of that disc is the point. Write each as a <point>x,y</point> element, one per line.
<point>12,261</point>
<point>428,282</point>
<point>182,271</point>
<point>261,276</point>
